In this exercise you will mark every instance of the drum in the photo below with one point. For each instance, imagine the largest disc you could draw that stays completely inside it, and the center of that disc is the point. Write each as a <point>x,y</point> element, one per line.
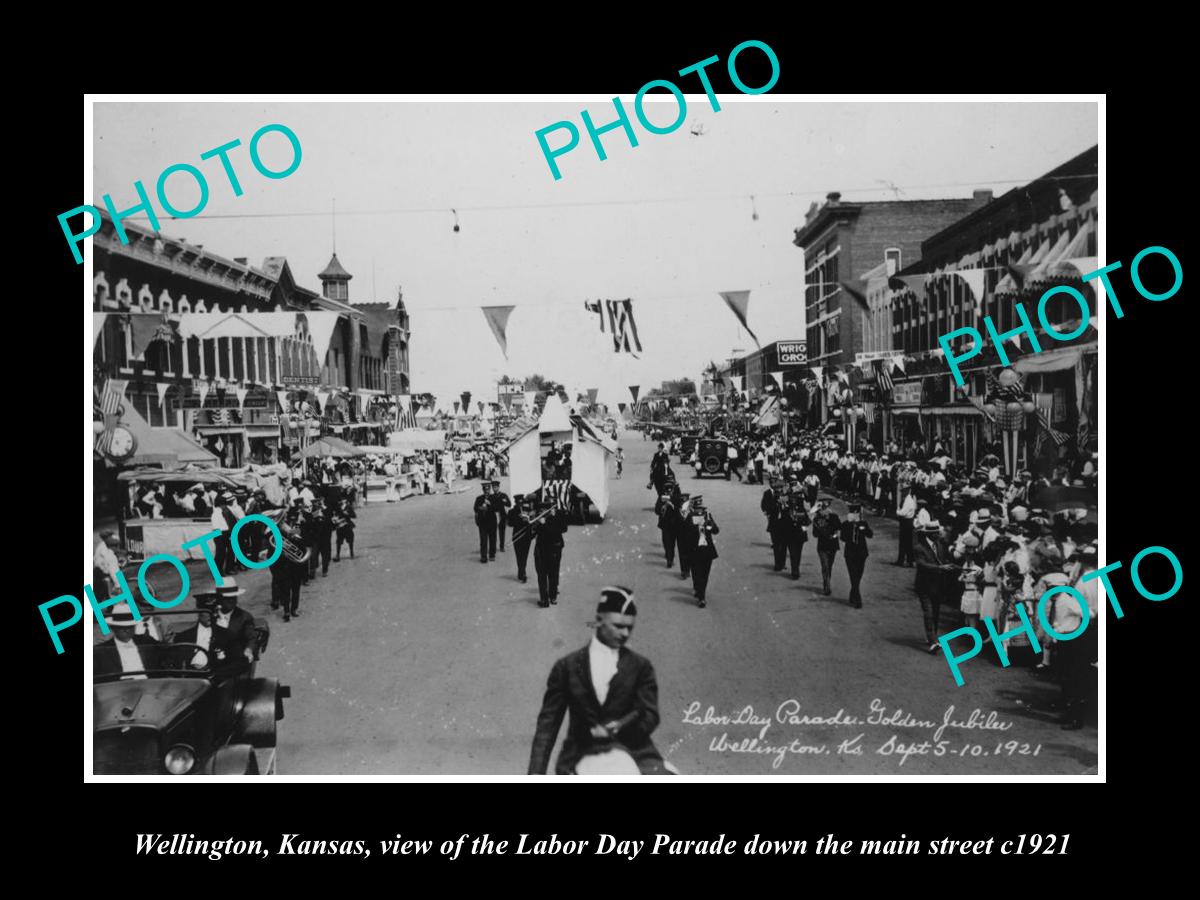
<point>614,761</point>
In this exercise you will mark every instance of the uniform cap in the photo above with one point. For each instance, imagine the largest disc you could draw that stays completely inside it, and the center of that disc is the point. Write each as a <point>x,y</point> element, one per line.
<point>617,600</point>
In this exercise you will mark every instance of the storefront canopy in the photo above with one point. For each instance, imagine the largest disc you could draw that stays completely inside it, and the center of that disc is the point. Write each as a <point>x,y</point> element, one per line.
<point>330,446</point>
<point>168,447</point>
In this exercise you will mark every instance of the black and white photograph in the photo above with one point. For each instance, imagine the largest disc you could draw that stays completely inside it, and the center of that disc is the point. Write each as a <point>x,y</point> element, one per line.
<point>682,435</point>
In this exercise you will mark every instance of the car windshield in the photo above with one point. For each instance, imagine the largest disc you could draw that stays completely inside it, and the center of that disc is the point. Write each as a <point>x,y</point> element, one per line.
<point>152,659</point>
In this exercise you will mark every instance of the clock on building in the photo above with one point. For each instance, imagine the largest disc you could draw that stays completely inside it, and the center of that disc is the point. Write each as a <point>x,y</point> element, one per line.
<point>121,444</point>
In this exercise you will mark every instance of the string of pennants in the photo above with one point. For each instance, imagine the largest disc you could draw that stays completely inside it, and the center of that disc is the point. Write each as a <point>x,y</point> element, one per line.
<point>616,320</point>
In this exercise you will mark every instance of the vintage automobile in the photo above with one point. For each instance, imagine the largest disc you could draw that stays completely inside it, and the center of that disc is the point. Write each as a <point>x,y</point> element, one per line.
<point>711,456</point>
<point>187,712</point>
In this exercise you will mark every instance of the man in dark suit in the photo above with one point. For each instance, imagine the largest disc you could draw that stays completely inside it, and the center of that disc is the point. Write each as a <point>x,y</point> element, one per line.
<point>668,520</point>
<point>485,522</point>
<point>519,518</point>
<point>219,652</point>
<point>123,652</point>
<point>660,467</point>
<point>547,551</point>
<point>826,527</point>
<point>611,693</point>
<point>772,506</point>
<point>242,632</point>
<point>854,536</point>
<point>501,504</point>
<point>685,539</point>
<point>794,521</point>
<point>700,528</point>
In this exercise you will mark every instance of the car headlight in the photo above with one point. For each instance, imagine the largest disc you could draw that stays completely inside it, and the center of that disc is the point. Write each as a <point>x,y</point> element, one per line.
<point>180,759</point>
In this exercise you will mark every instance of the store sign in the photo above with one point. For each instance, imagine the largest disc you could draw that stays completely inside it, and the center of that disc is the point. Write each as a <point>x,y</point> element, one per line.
<point>301,380</point>
<point>513,390</point>
<point>861,358</point>
<point>907,394</point>
<point>792,353</point>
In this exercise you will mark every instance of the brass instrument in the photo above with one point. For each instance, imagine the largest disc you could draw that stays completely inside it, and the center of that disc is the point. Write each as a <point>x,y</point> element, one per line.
<point>292,551</point>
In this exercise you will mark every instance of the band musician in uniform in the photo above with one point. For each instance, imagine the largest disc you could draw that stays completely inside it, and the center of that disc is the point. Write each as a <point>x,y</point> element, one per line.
<point>485,522</point>
<point>501,504</point>
<point>519,519</point>
<point>548,550</point>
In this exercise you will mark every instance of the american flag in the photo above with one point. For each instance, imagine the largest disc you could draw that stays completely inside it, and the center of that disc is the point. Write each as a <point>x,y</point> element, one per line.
<point>405,418</point>
<point>114,393</point>
<point>557,490</point>
<point>621,323</point>
<point>1059,437</point>
<point>883,377</point>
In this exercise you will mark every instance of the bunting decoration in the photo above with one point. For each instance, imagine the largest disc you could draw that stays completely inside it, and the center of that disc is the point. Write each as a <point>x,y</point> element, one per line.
<point>914,283</point>
<point>497,319</point>
<point>739,303</point>
<point>281,396</point>
<point>621,406</point>
<point>592,394</point>
<point>530,398</point>
<point>777,377</point>
<point>162,387</point>
<point>899,363</point>
<point>479,404</point>
<point>974,281</point>
<point>204,388</point>
<point>737,380</point>
<point>883,379</point>
<point>456,407</point>
<point>633,390</point>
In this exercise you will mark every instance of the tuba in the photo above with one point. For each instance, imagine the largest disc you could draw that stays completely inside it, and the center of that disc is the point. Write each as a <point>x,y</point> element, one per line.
<point>292,550</point>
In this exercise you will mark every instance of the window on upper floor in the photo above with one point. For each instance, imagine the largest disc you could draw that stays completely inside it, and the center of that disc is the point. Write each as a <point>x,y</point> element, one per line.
<point>892,257</point>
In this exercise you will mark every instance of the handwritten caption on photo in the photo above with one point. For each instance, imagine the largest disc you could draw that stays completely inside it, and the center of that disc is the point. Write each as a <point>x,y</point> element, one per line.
<point>126,595</point>
<point>997,639</point>
<point>622,120</point>
<point>943,736</point>
<point>602,844</point>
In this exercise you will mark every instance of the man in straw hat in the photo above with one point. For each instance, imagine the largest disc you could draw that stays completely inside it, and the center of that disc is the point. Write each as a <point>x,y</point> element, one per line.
<point>126,641</point>
<point>242,632</point>
<point>612,695</point>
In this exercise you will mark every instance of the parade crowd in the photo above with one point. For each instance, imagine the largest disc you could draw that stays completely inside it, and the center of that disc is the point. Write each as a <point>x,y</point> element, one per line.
<point>982,545</point>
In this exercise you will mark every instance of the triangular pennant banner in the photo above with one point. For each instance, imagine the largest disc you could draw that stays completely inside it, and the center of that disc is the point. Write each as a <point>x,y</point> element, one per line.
<point>738,381</point>
<point>480,405</point>
<point>161,387</point>
<point>778,377</point>
<point>899,363</point>
<point>739,303</point>
<point>457,406</point>
<point>281,396</point>
<point>204,388</point>
<point>592,393</point>
<point>633,390</point>
<point>530,398</point>
<point>497,319</point>
<point>974,279</point>
<point>621,406</point>
<point>914,283</point>
<point>241,395</point>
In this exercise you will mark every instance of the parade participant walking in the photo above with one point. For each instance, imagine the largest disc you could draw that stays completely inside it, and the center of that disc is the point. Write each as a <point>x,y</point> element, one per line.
<point>685,537</point>
<point>826,527</point>
<point>501,505</point>
<point>519,518</point>
<point>854,535</point>
<point>934,573</point>
<point>1074,658</point>
<point>291,571</point>
<point>547,551</point>
<point>343,523</point>
<point>701,528</point>
<point>611,694</point>
<point>732,465</point>
<point>772,506</point>
<point>485,522</point>
<point>668,521</point>
<point>322,536</point>
<point>795,530</point>
<point>660,465</point>
<point>906,515</point>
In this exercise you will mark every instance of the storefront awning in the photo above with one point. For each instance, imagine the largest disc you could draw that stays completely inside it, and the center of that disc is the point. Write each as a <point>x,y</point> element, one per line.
<point>168,447</point>
<point>1049,360</point>
<point>951,411</point>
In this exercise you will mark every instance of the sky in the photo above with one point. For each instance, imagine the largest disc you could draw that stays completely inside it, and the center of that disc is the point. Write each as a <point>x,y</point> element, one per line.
<point>668,223</point>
